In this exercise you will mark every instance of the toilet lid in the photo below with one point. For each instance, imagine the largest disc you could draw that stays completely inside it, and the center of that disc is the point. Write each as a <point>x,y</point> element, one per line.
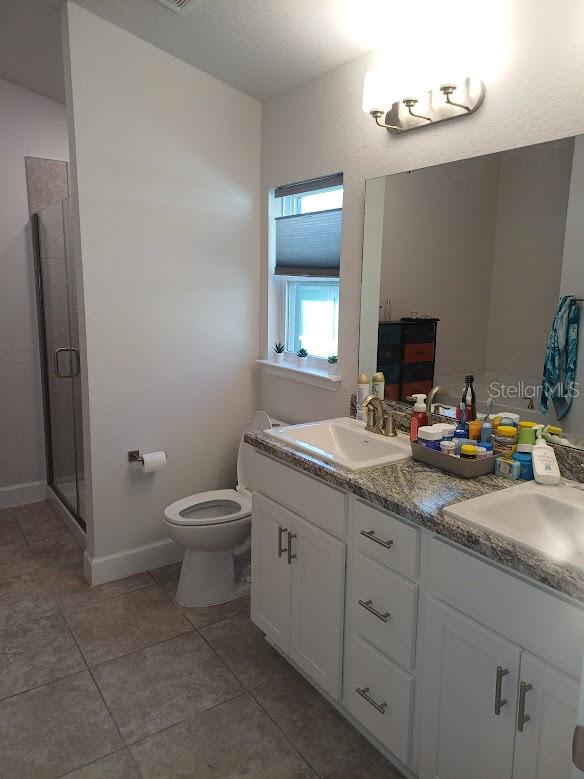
<point>209,508</point>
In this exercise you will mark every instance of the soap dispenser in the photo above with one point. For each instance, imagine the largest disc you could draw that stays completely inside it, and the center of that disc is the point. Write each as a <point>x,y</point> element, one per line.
<point>545,465</point>
<point>419,417</point>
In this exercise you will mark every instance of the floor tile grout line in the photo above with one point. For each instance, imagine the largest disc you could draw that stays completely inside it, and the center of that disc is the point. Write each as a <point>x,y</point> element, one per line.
<point>135,651</point>
<point>96,685</point>
<point>101,600</point>
<point>286,736</point>
<point>250,692</point>
<point>97,759</point>
<point>192,716</point>
<point>87,606</point>
<point>187,719</point>
<point>40,686</point>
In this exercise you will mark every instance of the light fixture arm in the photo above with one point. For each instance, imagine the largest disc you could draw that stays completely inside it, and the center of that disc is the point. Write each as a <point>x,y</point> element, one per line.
<point>377,116</point>
<point>447,90</point>
<point>410,102</point>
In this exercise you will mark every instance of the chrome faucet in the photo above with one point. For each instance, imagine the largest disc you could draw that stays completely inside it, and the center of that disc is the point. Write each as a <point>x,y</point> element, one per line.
<point>378,419</point>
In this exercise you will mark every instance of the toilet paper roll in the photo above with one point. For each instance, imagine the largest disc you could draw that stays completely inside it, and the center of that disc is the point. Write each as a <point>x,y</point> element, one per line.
<point>153,461</point>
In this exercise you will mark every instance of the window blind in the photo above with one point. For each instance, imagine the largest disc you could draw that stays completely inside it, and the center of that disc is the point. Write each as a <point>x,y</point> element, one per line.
<point>309,244</point>
<point>312,185</point>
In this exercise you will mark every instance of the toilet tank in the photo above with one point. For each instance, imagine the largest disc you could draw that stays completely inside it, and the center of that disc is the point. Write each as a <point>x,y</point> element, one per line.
<point>259,421</point>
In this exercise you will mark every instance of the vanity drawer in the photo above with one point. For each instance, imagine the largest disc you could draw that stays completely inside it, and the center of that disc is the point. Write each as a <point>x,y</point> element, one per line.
<point>386,539</point>
<point>383,609</point>
<point>312,500</point>
<point>383,683</point>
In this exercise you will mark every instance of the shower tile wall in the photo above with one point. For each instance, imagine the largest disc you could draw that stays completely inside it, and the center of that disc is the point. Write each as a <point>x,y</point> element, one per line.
<point>46,182</point>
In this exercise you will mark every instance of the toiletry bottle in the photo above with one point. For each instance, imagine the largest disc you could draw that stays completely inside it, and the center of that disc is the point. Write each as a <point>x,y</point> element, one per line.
<point>378,385</point>
<point>362,392</point>
<point>486,430</point>
<point>469,399</point>
<point>545,465</point>
<point>419,417</point>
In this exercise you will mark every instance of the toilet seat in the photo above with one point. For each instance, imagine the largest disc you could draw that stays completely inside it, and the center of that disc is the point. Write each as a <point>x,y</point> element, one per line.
<point>216,507</point>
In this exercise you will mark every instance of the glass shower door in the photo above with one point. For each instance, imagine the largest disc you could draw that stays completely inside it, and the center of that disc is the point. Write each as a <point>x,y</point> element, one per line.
<point>59,343</point>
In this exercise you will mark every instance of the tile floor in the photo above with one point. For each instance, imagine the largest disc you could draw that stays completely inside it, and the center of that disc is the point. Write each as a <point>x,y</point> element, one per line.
<point>119,682</point>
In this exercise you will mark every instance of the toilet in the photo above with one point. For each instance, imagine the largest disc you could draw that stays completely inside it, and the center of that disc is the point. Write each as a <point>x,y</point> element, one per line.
<point>214,527</point>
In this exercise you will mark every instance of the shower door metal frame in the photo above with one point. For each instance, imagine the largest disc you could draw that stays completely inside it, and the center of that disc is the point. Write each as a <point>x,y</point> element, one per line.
<point>42,333</point>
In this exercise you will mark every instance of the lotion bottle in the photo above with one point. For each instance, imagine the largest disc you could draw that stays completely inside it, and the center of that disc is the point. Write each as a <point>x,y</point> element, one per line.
<point>362,392</point>
<point>545,465</point>
<point>419,417</point>
<point>378,385</point>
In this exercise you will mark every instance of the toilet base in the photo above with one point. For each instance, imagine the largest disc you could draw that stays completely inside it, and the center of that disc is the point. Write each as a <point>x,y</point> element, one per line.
<point>207,578</point>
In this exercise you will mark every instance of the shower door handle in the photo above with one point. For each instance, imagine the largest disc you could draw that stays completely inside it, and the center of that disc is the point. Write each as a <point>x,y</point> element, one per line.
<point>73,371</point>
<point>58,352</point>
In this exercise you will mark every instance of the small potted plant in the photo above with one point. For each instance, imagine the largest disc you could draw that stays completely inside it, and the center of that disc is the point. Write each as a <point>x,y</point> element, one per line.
<point>278,352</point>
<point>302,356</point>
<point>332,365</point>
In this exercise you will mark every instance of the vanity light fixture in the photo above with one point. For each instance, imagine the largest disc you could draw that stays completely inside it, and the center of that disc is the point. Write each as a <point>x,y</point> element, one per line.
<point>451,100</point>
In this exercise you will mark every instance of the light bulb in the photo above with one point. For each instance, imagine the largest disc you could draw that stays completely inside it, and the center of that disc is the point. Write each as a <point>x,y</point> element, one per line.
<point>374,93</point>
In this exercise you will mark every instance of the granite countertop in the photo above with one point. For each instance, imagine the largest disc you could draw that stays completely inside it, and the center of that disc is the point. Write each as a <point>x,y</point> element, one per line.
<point>420,493</point>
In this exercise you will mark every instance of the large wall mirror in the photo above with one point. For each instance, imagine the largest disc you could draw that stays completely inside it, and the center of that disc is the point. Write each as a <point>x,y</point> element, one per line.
<point>473,257</point>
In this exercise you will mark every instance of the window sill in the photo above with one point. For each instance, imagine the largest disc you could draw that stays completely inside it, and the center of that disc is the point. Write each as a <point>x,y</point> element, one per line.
<point>317,377</point>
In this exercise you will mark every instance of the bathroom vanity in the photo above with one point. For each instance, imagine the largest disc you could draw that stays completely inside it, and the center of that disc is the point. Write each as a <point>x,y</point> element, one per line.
<point>454,650</point>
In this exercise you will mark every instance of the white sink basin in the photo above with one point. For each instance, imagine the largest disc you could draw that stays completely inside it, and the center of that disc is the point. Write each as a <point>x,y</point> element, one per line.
<point>345,442</point>
<point>548,520</point>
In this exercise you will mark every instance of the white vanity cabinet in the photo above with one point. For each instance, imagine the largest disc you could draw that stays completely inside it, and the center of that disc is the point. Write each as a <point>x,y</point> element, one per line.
<point>490,708</point>
<point>453,666</point>
<point>298,590</point>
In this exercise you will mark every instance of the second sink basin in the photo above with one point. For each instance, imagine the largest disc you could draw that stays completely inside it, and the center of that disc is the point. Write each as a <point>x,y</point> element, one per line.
<point>344,442</point>
<point>549,520</point>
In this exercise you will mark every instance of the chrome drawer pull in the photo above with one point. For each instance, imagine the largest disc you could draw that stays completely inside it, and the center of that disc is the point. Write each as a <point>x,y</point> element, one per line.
<point>281,549</point>
<point>380,707</point>
<point>372,610</point>
<point>370,534</point>
<point>499,702</point>
<point>290,555</point>
<point>522,717</point>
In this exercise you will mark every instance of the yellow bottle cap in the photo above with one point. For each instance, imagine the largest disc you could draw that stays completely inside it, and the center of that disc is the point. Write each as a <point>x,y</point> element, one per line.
<point>378,377</point>
<point>363,379</point>
<point>507,430</point>
<point>468,449</point>
<point>526,423</point>
<point>554,430</point>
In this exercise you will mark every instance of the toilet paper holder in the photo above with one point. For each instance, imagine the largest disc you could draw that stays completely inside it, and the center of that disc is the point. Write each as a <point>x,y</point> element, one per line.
<point>134,456</point>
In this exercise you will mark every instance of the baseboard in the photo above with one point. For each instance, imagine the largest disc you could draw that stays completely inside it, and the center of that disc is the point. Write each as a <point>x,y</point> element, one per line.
<point>99,570</point>
<point>19,494</point>
<point>68,518</point>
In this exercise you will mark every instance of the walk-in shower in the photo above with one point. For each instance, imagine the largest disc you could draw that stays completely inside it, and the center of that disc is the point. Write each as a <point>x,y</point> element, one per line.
<point>59,349</point>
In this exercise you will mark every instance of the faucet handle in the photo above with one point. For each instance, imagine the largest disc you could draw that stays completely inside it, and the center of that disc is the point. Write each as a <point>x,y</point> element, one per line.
<point>388,427</point>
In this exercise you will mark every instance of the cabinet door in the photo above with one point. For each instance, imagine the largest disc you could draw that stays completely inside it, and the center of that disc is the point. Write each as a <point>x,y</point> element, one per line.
<point>462,735</point>
<point>543,746</point>
<point>318,599</point>
<point>270,589</point>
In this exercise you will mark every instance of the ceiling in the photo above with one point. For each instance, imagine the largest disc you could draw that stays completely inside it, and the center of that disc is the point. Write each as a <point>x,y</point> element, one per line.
<point>262,47</point>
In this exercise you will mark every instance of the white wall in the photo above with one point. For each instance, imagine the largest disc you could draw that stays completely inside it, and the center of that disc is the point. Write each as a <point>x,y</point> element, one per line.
<point>319,128</point>
<point>438,237</point>
<point>30,125</point>
<point>167,164</point>
<point>527,258</point>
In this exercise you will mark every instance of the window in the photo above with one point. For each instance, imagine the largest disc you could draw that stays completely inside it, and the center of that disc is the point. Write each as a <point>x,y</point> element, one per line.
<point>312,315</point>
<point>308,244</point>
